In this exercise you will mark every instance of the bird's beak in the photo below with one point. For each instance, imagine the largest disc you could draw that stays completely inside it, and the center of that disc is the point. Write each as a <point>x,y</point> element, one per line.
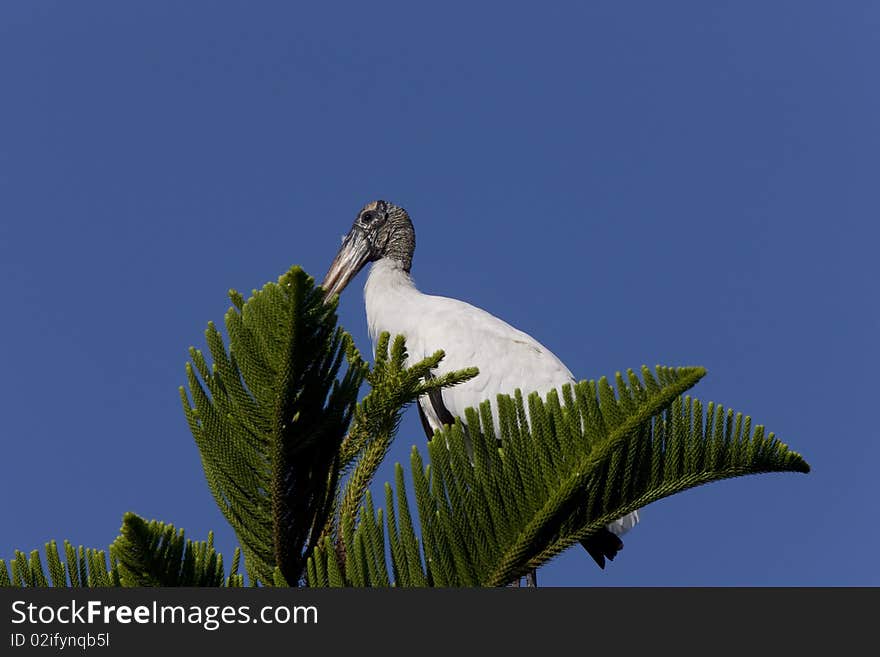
<point>353,255</point>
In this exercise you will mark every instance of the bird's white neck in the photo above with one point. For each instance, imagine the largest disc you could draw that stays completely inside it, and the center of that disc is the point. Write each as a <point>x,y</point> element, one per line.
<point>388,275</point>
<point>388,289</point>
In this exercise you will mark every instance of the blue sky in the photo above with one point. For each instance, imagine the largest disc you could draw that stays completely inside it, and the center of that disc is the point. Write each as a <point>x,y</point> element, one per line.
<point>670,183</point>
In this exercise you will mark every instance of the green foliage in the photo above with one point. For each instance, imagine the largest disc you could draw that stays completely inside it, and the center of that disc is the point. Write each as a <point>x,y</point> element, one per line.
<point>270,421</point>
<point>154,554</point>
<point>393,386</point>
<point>269,418</point>
<point>144,554</point>
<point>494,505</point>
<point>85,567</point>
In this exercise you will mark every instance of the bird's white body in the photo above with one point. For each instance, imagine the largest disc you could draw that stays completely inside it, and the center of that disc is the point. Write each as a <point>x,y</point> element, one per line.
<point>470,337</point>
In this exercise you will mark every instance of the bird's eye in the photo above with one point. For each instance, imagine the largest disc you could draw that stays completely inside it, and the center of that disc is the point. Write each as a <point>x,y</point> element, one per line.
<point>367,217</point>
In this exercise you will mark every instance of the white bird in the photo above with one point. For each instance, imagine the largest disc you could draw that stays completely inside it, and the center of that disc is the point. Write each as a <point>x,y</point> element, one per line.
<point>506,357</point>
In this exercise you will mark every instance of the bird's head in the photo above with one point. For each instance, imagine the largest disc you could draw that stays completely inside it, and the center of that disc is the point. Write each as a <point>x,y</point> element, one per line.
<point>381,230</point>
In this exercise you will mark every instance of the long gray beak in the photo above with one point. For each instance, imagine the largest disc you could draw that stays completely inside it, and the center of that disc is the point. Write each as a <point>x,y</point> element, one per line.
<point>353,255</point>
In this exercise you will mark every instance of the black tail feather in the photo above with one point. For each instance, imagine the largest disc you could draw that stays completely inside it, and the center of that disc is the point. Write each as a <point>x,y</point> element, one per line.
<point>602,545</point>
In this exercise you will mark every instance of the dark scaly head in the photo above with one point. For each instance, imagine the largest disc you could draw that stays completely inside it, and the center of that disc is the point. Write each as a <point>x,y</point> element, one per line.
<point>381,230</point>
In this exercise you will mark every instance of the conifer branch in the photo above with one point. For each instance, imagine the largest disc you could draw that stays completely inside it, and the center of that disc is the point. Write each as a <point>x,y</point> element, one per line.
<point>269,417</point>
<point>393,386</point>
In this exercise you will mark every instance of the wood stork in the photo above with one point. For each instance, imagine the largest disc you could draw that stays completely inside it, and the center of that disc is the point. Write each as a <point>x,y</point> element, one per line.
<point>506,357</point>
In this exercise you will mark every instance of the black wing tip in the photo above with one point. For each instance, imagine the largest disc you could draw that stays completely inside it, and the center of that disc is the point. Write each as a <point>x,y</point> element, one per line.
<point>440,409</point>
<point>435,397</point>
<point>429,432</point>
<point>602,545</point>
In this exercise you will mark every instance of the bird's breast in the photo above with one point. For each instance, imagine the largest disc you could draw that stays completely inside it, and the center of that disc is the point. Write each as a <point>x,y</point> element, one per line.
<point>508,359</point>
